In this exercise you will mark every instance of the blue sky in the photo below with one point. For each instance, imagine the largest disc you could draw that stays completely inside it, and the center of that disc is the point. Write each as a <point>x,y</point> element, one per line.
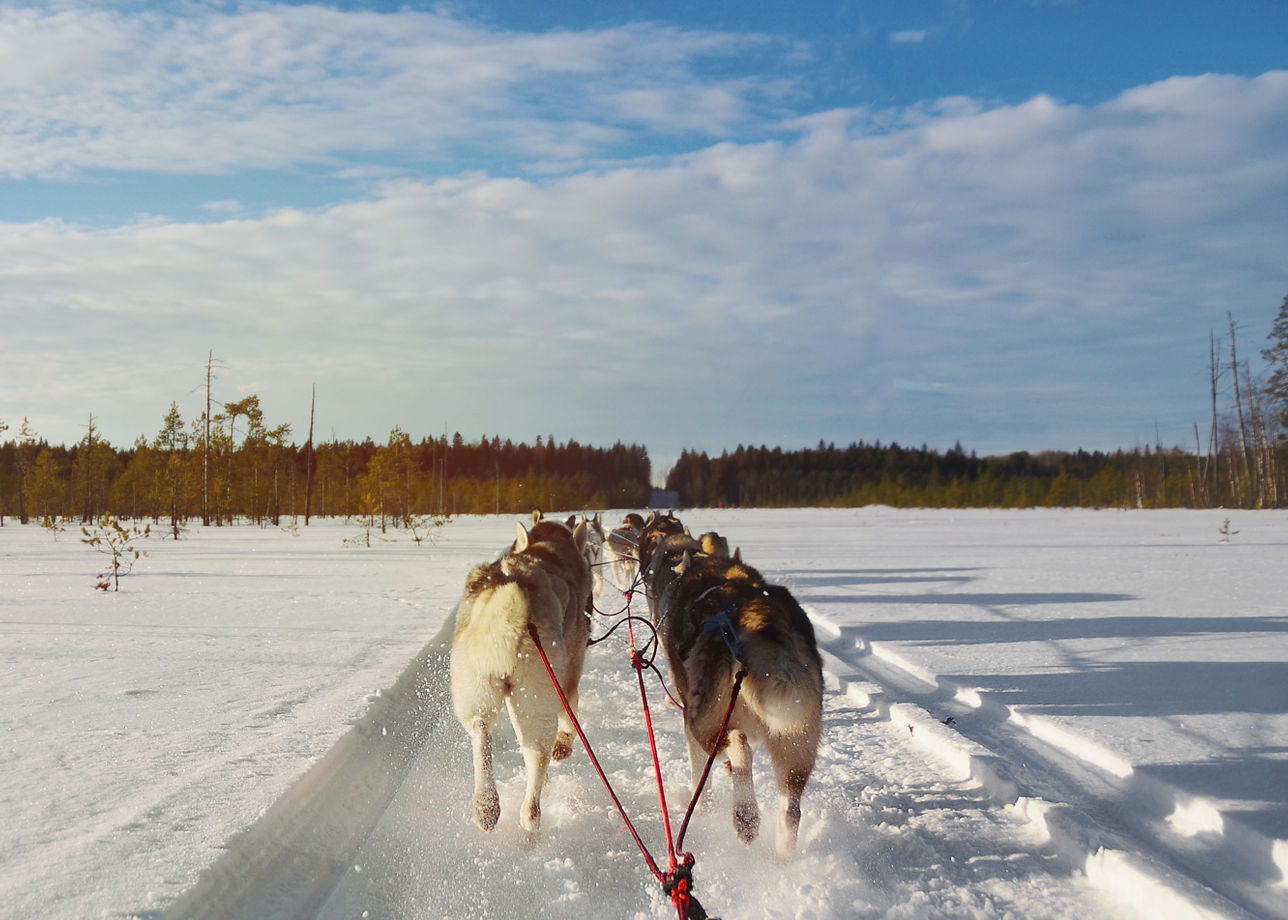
<point>1009,224</point>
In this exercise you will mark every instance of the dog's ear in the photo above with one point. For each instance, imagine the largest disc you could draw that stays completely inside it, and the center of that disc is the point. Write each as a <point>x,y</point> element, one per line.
<point>686,562</point>
<point>536,515</point>
<point>579,536</point>
<point>521,537</point>
<point>737,554</point>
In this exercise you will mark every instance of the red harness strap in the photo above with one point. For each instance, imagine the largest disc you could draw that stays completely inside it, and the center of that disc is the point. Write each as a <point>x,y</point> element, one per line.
<point>648,857</point>
<point>677,881</point>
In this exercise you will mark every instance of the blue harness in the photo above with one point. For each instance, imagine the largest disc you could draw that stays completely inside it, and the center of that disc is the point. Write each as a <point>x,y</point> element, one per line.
<point>724,623</point>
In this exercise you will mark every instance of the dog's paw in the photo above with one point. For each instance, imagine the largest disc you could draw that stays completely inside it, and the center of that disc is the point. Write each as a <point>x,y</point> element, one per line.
<point>530,819</point>
<point>563,746</point>
<point>487,810</point>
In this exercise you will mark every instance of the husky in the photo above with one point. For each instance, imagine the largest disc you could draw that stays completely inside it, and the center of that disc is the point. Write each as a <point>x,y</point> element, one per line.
<point>715,615</point>
<point>544,580</point>
<point>622,548</point>
<point>657,528</point>
<point>594,547</point>
<point>595,541</point>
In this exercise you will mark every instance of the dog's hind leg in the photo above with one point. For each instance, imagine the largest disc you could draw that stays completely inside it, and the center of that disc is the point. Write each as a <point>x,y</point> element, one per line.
<point>570,683</point>
<point>487,805</point>
<point>746,813</point>
<point>563,740</point>
<point>793,762</point>
<point>535,724</point>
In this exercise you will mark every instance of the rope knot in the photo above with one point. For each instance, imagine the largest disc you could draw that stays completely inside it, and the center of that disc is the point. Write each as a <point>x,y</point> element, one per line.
<point>678,883</point>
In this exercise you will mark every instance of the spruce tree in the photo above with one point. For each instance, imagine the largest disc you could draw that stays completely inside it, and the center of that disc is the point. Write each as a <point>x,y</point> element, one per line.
<point>1277,357</point>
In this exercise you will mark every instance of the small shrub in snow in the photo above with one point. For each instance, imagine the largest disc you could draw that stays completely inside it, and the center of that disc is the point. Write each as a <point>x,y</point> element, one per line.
<point>113,539</point>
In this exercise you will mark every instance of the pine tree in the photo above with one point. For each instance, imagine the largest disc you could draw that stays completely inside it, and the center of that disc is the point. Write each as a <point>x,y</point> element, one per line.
<point>44,487</point>
<point>1277,357</point>
<point>26,456</point>
<point>175,488</point>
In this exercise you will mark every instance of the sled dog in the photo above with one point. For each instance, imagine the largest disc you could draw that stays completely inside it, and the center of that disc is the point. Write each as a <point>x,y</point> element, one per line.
<point>657,527</point>
<point>595,540</point>
<point>544,580</point>
<point>594,547</point>
<point>716,614</point>
<point>621,546</point>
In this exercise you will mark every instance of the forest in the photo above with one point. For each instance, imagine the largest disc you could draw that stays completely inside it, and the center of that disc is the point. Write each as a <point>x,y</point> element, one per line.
<point>230,465</point>
<point>1243,463</point>
<point>239,469</point>
<point>257,475</point>
<point>872,474</point>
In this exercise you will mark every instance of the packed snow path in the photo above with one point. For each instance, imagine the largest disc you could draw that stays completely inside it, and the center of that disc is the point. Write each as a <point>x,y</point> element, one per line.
<point>886,833</point>
<point>930,800</point>
<point>1113,687</point>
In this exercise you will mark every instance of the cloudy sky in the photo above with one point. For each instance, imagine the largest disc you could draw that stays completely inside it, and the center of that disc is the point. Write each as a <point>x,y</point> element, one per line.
<point>1010,224</point>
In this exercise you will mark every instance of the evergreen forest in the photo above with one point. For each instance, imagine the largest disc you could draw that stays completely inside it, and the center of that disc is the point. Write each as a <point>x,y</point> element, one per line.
<point>232,465</point>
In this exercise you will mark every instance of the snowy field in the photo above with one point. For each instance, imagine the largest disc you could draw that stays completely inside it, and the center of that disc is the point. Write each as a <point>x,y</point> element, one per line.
<point>1030,714</point>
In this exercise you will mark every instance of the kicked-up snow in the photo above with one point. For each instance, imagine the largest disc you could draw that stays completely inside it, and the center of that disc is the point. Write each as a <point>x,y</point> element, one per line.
<point>1029,714</point>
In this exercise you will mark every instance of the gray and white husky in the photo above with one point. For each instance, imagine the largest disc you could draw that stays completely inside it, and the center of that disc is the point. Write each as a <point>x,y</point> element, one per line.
<point>595,540</point>
<point>716,614</point>
<point>544,580</point>
<point>622,547</point>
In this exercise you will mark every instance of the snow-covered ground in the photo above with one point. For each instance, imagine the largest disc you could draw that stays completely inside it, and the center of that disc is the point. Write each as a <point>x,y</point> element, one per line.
<point>1030,714</point>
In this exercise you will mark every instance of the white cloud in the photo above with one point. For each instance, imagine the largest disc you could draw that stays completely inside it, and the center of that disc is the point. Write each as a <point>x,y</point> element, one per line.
<point>966,271</point>
<point>908,37</point>
<point>275,86</point>
<point>223,206</point>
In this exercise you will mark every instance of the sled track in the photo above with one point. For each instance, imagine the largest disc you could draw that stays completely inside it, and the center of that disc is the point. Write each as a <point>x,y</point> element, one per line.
<point>287,863</point>
<point>1101,816</point>
<point>307,856</point>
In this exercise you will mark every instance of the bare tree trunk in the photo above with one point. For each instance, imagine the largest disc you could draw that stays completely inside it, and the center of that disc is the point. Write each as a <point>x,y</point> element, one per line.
<point>1200,493</point>
<point>1238,406</point>
<point>1214,374</point>
<point>308,460</point>
<point>205,445</point>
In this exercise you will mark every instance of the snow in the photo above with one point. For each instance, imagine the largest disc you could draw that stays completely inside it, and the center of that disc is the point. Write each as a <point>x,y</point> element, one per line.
<point>1030,714</point>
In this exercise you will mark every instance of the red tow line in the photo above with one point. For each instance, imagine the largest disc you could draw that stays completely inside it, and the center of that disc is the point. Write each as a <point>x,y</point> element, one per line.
<point>677,880</point>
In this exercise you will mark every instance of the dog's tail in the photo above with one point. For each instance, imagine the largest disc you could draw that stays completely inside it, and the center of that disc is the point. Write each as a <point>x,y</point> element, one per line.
<point>784,683</point>
<point>782,688</point>
<point>492,619</point>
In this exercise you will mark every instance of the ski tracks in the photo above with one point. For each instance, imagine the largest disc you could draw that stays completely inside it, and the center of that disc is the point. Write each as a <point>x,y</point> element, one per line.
<point>1153,848</point>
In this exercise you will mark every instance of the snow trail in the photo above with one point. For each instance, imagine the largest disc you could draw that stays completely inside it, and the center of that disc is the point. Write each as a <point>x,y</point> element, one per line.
<point>886,832</point>
<point>1111,683</point>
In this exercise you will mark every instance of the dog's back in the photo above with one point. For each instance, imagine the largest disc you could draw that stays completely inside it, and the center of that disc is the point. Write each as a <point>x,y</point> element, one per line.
<point>716,616</point>
<point>720,608</point>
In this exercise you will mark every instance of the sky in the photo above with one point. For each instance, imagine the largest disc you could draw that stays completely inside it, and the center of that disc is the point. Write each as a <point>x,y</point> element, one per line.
<point>1013,225</point>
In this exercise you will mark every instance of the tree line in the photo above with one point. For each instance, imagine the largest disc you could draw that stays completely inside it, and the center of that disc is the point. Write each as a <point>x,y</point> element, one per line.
<point>243,469</point>
<point>1243,464</point>
<point>229,463</point>
<point>868,474</point>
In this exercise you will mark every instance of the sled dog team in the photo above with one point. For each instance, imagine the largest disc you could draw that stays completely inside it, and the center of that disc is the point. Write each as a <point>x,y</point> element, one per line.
<point>714,614</point>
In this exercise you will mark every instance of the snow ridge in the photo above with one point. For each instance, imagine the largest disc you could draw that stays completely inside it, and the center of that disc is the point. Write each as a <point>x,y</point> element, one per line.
<point>1204,843</point>
<point>286,864</point>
